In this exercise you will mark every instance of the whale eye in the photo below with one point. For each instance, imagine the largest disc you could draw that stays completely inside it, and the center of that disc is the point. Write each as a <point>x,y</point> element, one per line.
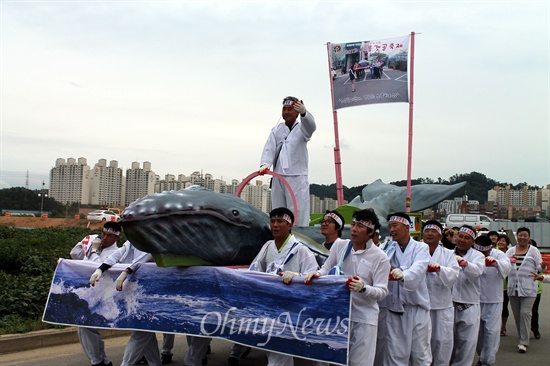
<point>235,213</point>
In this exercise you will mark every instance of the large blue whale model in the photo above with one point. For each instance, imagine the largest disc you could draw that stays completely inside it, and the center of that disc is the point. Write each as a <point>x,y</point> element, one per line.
<point>196,226</point>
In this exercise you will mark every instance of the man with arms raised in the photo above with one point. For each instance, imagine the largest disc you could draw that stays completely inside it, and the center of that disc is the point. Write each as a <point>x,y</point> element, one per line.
<point>408,302</point>
<point>441,275</point>
<point>466,297</point>
<point>286,150</point>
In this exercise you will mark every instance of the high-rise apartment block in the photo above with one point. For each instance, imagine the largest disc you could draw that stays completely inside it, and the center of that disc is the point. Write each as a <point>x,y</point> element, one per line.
<point>140,182</point>
<point>107,184</point>
<point>70,181</point>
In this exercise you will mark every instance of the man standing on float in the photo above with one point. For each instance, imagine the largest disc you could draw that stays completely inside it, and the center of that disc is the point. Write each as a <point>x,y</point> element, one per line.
<point>286,150</point>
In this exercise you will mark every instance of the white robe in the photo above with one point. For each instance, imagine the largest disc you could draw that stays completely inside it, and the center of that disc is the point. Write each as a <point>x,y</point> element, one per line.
<point>467,290</point>
<point>294,257</point>
<point>408,302</point>
<point>291,163</point>
<point>372,266</point>
<point>440,285</point>
<point>491,299</point>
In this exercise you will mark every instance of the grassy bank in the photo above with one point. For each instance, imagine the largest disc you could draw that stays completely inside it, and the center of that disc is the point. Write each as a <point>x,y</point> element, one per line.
<point>27,263</point>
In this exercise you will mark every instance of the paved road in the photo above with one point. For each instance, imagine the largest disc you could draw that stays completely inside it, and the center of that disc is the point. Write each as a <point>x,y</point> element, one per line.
<point>71,354</point>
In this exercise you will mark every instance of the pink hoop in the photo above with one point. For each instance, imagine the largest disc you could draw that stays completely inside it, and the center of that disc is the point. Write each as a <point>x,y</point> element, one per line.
<point>279,177</point>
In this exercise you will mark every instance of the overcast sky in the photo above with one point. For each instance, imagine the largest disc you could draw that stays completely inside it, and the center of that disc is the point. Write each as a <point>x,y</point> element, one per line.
<point>192,86</point>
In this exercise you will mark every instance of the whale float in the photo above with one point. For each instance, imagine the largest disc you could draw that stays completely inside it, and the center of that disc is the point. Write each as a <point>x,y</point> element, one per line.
<point>196,226</point>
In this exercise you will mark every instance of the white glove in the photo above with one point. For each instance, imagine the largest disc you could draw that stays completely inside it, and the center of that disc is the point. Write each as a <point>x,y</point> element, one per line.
<point>433,267</point>
<point>300,107</point>
<point>355,284</point>
<point>397,274</point>
<point>96,243</point>
<point>310,276</point>
<point>263,169</point>
<point>288,276</point>
<point>95,276</point>
<point>120,280</point>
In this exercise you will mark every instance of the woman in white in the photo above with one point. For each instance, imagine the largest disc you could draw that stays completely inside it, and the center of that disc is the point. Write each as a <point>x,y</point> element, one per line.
<point>522,290</point>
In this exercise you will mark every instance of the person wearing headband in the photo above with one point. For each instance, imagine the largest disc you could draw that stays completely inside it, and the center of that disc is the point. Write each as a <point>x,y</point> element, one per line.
<point>284,256</point>
<point>286,151</point>
<point>466,297</point>
<point>96,248</point>
<point>497,268</point>
<point>522,293</point>
<point>441,275</point>
<point>332,225</point>
<point>367,268</point>
<point>142,347</point>
<point>408,323</point>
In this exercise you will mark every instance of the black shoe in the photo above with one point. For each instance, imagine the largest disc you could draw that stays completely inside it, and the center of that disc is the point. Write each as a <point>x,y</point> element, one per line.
<point>204,360</point>
<point>209,350</point>
<point>103,364</point>
<point>233,361</point>
<point>246,353</point>
<point>166,359</point>
<point>142,361</point>
<point>537,334</point>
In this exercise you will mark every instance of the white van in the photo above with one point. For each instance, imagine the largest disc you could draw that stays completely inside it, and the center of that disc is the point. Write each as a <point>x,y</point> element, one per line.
<point>479,222</point>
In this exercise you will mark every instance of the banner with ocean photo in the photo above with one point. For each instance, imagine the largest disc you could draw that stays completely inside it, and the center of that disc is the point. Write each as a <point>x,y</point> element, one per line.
<point>245,307</point>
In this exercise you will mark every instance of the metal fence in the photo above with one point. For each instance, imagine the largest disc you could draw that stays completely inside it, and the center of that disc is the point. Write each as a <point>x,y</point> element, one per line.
<point>540,231</point>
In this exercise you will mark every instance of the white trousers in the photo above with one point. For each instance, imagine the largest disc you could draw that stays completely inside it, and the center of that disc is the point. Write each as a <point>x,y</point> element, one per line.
<point>167,343</point>
<point>142,344</point>
<point>521,308</point>
<point>277,359</point>
<point>280,197</point>
<point>362,338</point>
<point>92,344</point>
<point>408,337</point>
<point>466,329</point>
<point>442,336</point>
<point>489,333</point>
<point>197,348</point>
<point>381,335</point>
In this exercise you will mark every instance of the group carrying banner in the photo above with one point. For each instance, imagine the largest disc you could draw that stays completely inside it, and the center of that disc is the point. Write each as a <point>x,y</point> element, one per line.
<point>369,72</point>
<point>251,308</point>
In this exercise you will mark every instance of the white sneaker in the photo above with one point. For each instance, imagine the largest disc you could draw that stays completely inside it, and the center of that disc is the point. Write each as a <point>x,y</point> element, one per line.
<point>522,348</point>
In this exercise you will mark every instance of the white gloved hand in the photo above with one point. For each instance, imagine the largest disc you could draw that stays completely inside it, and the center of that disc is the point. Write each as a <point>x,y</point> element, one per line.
<point>433,267</point>
<point>120,280</point>
<point>95,276</point>
<point>96,243</point>
<point>355,284</point>
<point>288,276</point>
<point>300,107</point>
<point>263,169</point>
<point>310,276</point>
<point>396,274</point>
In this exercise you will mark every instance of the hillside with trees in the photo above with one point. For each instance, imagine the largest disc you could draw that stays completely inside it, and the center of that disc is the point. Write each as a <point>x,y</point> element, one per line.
<point>477,185</point>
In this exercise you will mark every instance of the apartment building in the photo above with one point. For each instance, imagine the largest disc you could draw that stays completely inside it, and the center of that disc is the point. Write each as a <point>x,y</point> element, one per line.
<point>140,182</point>
<point>107,184</point>
<point>70,181</point>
